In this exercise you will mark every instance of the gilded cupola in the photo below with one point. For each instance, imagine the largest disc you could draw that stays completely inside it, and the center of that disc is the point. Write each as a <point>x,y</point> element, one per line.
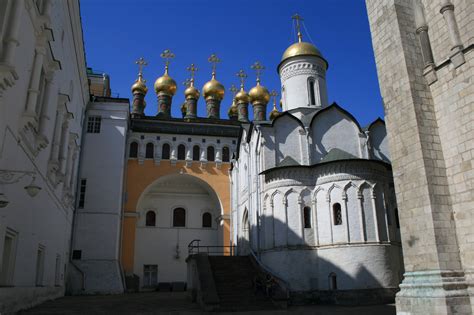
<point>274,113</point>
<point>213,88</point>
<point>165,84</point>
<point>233,110</point>
<point>259,94</point>
<point>139,91</point>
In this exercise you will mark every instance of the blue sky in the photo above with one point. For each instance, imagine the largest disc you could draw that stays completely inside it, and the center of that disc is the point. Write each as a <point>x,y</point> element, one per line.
<point>117,32</point>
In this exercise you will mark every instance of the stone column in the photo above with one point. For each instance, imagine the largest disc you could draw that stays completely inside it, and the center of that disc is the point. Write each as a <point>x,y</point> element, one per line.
<point>32,98</point>
<point>57,134</point>
<point>360,203</point>
<point>64,143</point>
<point>314,204</point>
<point>46,108</point>
<point>344,202</point>
<point>10,39</point>
<point>457,56</point>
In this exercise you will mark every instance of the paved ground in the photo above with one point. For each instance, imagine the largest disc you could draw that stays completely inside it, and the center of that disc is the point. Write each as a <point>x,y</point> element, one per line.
<point>175,304</point>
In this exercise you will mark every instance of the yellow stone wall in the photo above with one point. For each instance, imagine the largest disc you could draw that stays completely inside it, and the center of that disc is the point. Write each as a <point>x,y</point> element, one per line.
<point>139,177</point>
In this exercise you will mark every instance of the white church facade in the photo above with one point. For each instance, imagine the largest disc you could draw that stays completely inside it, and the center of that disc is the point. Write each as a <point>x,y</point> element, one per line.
<point>312,192</point>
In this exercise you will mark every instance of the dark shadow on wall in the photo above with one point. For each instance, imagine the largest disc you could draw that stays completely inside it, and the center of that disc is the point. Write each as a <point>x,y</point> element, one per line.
<point>326,282</point>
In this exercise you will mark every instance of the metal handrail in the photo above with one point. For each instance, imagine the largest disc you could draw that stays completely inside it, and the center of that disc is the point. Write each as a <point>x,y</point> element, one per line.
<point>195,248</point>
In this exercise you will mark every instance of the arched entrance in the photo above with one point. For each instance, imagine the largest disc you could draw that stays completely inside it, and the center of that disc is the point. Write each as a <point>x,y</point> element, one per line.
<point>182,205</point>
<point>244,241</point>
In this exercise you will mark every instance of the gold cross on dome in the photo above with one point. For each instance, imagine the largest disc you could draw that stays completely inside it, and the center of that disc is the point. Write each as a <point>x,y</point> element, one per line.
<point>258,67</point>
<point>233,89</point>
<point>274,94</point>
<point>214,60</point>
<point>141,62</point>
<point>298,18</point>
<point>242,76</point>
<point>167,55</point>
<point>187,82</point>
<point>192,69</point>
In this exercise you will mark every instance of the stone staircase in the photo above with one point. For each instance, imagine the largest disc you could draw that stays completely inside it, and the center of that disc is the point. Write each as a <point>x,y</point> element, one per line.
<point>234,278</point>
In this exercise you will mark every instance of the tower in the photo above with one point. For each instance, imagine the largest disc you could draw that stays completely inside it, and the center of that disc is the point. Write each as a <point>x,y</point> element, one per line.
<point>302,73</point>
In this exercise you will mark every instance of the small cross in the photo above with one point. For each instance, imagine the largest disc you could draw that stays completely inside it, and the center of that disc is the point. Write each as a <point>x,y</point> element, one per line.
<point>258,67</point>
<point>141,62</point>
<point>192,69</point>
<point>214,60</point>
<point>167,55</point>
<point>298,18</point>
<point>233,89</point>
<point>274,94</point>
<point>242,75</point>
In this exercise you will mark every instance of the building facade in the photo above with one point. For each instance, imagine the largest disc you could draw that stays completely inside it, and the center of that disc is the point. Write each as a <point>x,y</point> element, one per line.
<point>312,192</point>
<point>43,97</point>
<point>424,55</point>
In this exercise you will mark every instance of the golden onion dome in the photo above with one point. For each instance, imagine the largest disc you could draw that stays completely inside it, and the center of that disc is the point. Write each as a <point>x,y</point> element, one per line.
<point>242,97</point>
<point>139,86</point>
<point>233,111</point>
<point>191,92</point>
<point>259,94</point>
<point>274,113</point>
<point>213,88</point>
<point>301,49</point>
<point>165,84</point>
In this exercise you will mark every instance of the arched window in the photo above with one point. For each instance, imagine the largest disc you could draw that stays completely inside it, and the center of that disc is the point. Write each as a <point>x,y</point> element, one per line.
<point>206,220</point>
<point>196,153</point>
<point>150,150</point>
<point>307,217</point>
<point>150,219</point>
<point>210,153</point>
<point>312,98</point>
<point>179,217</point>
<point>225,154</point>
<point>165,151</point>
<point>337,214</point>
<point>332,281</point>
<point>181,152</point>
<point>133,150</point>
<point>397,220</point>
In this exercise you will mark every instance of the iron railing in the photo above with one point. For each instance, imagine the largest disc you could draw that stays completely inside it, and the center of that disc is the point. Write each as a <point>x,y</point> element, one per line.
<point>194,247</point>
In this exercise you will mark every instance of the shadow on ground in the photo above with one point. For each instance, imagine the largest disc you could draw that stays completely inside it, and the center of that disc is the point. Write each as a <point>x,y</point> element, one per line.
<point>176,303</point>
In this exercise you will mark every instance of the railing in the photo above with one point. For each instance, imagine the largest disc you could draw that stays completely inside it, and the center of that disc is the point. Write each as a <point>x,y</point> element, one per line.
<point>195,248</point>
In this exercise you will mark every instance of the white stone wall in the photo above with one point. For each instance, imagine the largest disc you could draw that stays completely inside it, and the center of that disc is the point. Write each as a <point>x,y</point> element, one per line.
<point>102,166</point>
<point>43,94</point>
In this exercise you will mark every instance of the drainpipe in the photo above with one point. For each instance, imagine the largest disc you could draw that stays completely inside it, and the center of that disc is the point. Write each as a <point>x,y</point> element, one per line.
<point>257,190</point>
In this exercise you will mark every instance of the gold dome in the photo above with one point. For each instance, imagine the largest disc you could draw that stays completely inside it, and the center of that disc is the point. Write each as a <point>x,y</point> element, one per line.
<point>300,49</point>
<point>242,97</point>
<point>259,94</point>
<point>214,89</point>
<point>191,92</point>
<point>165,84</point>
<point>139,86</point>
<point>233,111</point>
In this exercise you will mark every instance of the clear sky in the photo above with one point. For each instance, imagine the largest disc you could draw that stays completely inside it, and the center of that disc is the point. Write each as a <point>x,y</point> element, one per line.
<point>117,32</point>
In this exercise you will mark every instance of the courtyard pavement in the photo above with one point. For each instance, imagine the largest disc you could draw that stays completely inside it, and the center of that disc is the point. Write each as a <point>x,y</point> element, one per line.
<point>176,303</point>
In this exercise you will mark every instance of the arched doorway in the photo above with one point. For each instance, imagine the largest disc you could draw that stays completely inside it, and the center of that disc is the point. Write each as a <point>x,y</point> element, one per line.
<point>181,203</point>
<point>244,241</point>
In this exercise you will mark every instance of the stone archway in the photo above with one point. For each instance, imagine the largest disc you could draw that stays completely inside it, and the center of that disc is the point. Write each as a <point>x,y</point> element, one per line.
<point>179,202</point>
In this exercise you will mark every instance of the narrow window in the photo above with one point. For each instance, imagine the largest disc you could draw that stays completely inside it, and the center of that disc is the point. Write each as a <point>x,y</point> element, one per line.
<point>337,214</point>
<point>181,152</point>
<point>307,217</point>
<point>57,271</point>
<point>397,220</point>
<point>39,265</point>
<point>179,217</point>
<point>82,193</point>
<point>76,254</point>
<point>196,153</point>
<point>210,153</point>
<point>312,97</point>
<point>225,154</point>
<point>150,150</point>
<point>133,153</point>
<point>165,152</point>
<point>8,258</point>
<point>150,218</point>
<point>332,281</point>
<point>206,220</point>
<point>93,124</point>
<point>150,275</point>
